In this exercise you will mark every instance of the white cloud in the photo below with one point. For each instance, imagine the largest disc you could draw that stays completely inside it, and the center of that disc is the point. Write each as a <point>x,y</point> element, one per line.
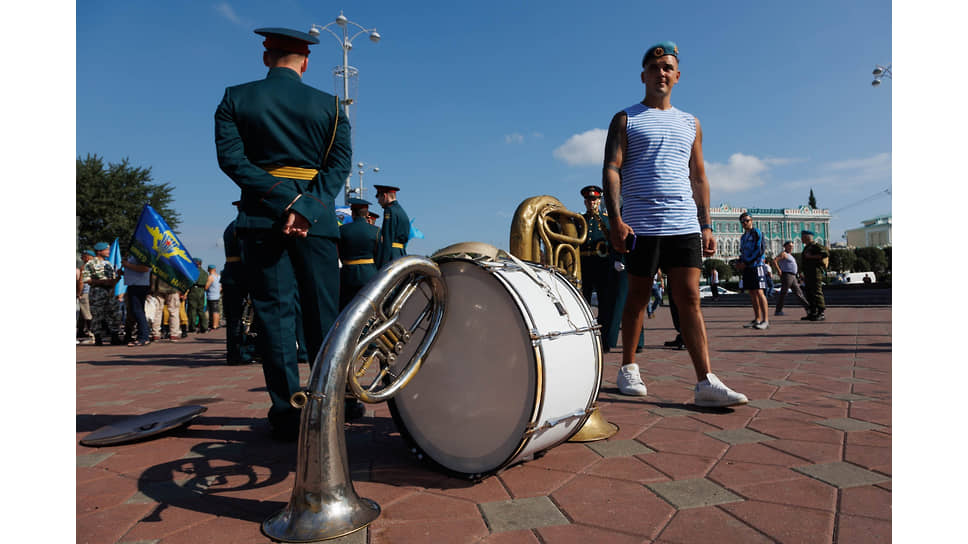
<point>880,161</point>
<point>514,138</point>
<point>226,10</point>
<point>587,148</point>
<point>740,173</point>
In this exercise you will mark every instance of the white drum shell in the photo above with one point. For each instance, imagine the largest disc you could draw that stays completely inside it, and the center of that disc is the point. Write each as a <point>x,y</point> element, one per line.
<point>551,362</point>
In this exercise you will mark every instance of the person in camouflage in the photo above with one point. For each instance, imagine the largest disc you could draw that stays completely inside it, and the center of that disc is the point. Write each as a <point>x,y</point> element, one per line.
<point>197,320</point>
<point>105,310</point>
<point>813,269</point>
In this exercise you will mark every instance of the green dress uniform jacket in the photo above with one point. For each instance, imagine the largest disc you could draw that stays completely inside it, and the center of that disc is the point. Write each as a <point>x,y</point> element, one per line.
<point>357,242</point>
<point>394,234</point>
<point>275,122</point>
<point>594,256</point>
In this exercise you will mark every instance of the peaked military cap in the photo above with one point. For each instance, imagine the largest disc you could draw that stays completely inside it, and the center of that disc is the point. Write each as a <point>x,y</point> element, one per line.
<point>101,246</point>
<point>592,191</point>
<point>374,215</point>
<point>661,49</point>
<point>286,39</point>
<point>385,189</point>
<point>358,203</point>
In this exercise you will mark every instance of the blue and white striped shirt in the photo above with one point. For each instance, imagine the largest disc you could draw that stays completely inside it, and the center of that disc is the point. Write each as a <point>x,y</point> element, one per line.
<point>656,192</point>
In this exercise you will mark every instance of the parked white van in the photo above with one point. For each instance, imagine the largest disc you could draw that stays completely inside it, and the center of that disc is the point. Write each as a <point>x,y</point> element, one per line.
<point>853,278</point>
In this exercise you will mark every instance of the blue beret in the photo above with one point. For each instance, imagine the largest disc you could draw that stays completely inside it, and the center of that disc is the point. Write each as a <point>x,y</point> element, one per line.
<point>810,232</point>
<point>100,246</point>
<point>89,252</point>
<point>358,202</point>
<point>197,260</point>
<point>660,50</point>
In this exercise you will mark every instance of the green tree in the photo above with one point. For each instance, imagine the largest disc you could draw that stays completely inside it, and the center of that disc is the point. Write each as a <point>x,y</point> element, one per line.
<point>874,257</point>
<point>842,260</point>
<point>725,271</point>
<point>887,253</point>
<point>812,202</point>
<point>861,265</point>
<point>110,199</point>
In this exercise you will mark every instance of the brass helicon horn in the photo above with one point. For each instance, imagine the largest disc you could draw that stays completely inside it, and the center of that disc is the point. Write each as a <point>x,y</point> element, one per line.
<point>324,504</point>
<point>545,231</point>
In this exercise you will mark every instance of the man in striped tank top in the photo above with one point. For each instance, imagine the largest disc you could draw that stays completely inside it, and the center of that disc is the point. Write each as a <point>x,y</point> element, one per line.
<point>657,197</point>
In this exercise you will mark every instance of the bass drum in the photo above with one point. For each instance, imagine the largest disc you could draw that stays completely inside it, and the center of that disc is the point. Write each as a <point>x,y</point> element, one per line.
<point>515,369</point>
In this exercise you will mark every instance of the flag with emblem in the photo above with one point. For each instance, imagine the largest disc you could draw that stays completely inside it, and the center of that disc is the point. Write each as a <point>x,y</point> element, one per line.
<point>155,245</point>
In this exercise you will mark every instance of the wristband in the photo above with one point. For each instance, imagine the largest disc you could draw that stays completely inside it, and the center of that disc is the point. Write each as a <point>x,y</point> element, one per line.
<point>704,227</point>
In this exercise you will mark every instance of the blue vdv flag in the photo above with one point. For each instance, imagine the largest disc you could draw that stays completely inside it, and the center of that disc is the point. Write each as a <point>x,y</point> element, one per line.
<point>155,245</point>
<point>115,260</point>
<point>414,231</point>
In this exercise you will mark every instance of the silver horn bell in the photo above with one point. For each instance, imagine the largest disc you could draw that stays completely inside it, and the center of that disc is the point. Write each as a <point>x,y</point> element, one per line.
<point>324,504</point>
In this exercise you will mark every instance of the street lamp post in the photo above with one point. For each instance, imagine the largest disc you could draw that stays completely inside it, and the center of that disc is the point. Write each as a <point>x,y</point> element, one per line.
<point>346,43</point>
<point>360,165</point>
<point>880,72</point>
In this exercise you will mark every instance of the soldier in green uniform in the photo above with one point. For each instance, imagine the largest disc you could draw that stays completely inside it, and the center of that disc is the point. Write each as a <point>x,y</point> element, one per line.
<point>287,146</point>
<point>195,305</point>
<point>813,269</point>
<point>105,309</point>
<point>239,350</point>
<point>594,251</point>
<point>395,230</point>
<point>357,251</point>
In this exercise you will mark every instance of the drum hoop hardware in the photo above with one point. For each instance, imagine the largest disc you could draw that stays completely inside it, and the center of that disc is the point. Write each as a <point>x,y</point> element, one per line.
<point>554,421</point>
<point>551,335</point>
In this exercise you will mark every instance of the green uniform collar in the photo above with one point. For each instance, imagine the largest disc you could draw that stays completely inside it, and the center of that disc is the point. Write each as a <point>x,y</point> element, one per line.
<point>282,72</point>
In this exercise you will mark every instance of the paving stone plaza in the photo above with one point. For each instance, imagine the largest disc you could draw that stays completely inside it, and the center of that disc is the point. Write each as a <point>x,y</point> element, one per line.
<point>808,460</point>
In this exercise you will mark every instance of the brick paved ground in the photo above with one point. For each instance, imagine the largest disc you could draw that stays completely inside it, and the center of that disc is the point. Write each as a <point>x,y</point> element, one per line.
<point>808,460</point>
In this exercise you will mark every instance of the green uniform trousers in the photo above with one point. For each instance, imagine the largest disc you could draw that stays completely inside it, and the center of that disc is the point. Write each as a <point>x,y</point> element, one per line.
<point>277,268</point>
<point>611,304</point>
<point>814,290</point>
<point>195,307</point>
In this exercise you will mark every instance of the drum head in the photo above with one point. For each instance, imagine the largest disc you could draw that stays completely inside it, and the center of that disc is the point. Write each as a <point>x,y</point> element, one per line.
<point>143,426</point>
<point>468,407</point>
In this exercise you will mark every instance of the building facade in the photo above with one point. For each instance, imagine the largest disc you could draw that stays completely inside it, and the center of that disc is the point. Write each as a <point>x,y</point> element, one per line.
<point>876,232</point>
<point>777,225</point>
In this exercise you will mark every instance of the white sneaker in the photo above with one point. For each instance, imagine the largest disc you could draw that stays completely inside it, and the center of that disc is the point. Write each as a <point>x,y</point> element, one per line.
<point>751,324</point>
<point>630,382</point>
<point>712,392</point>
<point>762,325</point>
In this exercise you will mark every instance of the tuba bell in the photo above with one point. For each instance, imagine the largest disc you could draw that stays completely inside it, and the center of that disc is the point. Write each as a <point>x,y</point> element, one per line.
<point>324,504</point>
<point>545,231</point>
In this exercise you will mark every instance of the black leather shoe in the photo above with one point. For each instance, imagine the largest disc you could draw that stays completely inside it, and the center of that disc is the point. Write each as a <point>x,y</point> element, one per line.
<point>818,317</point>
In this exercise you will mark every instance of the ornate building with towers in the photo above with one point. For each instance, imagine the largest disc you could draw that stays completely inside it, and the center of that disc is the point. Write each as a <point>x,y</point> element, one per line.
<point>777,225</point>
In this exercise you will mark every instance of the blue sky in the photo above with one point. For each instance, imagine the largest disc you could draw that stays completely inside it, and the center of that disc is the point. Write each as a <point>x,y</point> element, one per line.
<point>473,107</point>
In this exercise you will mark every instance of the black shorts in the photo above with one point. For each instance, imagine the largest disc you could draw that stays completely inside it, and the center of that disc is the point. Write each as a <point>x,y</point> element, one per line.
<point>654,252</point>
<point>754,277</point>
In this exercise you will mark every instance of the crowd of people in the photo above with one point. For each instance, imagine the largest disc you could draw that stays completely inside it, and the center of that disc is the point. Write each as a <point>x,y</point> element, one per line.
<point>149,309</point>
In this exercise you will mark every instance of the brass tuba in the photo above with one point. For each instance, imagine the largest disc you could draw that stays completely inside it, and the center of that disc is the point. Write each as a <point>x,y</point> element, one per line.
<point>324,504</point>
<point>545,231</point>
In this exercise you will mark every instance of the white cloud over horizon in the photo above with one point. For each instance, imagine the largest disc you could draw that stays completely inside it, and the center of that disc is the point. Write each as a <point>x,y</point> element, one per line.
<point>740,172</point>
<point>225,10</point>
<point>587,148</point>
